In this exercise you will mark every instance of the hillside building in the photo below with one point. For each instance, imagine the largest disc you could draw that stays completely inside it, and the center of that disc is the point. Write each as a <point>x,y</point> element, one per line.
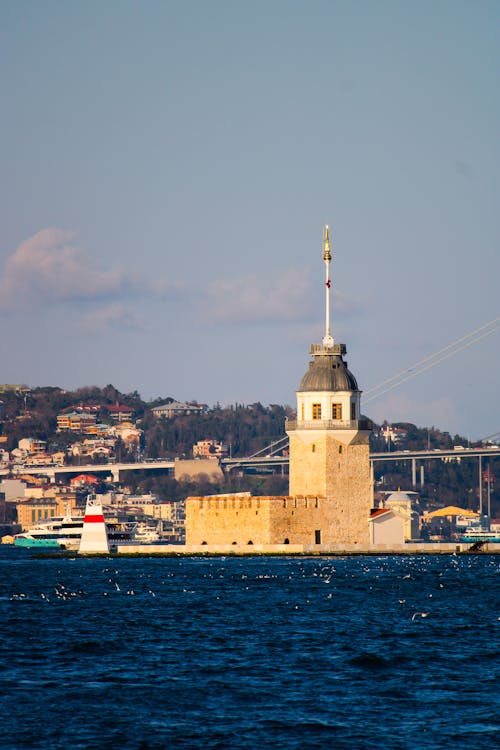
<point>75,421</point>
<point>120,413</point>
<point>209,448</point>
<point>176,409</point>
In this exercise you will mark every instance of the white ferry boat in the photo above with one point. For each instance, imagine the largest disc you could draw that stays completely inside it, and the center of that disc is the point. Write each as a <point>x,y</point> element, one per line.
<point>65,533</point>
<point>473,534</point>
<point>146,533</point>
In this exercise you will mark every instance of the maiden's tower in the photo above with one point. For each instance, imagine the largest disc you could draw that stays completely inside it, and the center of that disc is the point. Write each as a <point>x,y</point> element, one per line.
<point>329,441</point>
<point>330,493</point>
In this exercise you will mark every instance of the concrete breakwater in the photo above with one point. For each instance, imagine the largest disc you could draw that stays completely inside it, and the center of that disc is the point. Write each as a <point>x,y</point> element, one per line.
<point>411,548</point>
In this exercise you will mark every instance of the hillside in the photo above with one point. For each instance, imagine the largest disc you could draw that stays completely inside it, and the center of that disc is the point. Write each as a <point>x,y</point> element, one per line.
<point>240,429</point>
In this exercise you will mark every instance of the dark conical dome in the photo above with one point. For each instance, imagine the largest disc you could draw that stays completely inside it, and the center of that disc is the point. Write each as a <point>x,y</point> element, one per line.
<point>328,373</point>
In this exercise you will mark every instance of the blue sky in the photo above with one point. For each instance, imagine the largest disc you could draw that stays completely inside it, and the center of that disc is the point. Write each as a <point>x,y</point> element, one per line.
<point>167,168</point>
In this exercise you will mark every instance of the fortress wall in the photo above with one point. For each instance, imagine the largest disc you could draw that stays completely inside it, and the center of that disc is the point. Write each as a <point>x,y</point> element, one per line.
<point>297,519</point>
<point>267,520</point>
<point>225,519</point>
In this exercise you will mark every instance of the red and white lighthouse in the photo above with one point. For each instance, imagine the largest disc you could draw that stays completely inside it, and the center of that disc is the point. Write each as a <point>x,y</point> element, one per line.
<point>94,534</point>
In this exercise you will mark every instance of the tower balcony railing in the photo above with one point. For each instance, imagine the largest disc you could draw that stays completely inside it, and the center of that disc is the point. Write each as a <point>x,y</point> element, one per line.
<point>338,349</point>
<point>328,424</point>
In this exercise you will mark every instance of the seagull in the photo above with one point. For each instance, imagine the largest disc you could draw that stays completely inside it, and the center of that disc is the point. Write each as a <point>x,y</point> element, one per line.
<point>419,614</point>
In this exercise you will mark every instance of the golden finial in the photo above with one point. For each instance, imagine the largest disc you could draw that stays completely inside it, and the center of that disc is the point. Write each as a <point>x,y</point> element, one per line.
<point>327,255</point>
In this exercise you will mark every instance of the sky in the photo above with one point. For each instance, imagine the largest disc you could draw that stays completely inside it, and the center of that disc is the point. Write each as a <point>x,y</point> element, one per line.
<point>167,171</point>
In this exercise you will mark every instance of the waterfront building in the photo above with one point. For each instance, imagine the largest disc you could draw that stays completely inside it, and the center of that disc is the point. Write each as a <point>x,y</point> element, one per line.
<point>402,502</point>
<point>34,510</point>
<point>386,527</point>
<point>447,522</point>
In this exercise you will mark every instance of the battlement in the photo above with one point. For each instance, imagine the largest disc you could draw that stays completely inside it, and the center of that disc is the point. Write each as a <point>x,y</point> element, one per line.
<point>253,502</point>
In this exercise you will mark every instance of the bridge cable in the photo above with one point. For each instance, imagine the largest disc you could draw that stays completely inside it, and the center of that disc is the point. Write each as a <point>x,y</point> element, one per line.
<point>433,359</point>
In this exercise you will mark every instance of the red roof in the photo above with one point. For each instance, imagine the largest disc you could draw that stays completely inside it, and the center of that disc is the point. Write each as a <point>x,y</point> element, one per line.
<point>379,512</point>
<point>86,478</point>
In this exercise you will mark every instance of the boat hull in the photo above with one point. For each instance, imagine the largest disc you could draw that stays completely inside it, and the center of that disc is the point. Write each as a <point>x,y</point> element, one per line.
<point>28,543</point>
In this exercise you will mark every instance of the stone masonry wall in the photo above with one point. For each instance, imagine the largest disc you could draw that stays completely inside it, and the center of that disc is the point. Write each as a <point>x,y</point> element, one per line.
<point>308,460</point>
<point>233,520</point>
<point>227,519</point>
<point>337,466</point>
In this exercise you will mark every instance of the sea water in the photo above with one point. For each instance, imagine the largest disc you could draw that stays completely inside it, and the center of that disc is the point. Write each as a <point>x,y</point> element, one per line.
<point>263,652</point>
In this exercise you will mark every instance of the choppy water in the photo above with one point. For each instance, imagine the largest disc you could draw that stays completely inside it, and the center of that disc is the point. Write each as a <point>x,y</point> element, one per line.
<point>245,653</point>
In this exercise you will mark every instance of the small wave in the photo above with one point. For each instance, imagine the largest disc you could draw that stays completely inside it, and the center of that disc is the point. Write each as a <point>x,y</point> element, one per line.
<point>89,648</point>
<point>369,661</point>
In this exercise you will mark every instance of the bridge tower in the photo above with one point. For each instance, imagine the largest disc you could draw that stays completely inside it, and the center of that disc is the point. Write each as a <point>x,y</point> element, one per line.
<point>329,441</point>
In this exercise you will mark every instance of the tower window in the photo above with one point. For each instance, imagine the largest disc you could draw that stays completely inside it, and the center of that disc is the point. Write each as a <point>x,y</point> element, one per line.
<point>316,411</point>
<point>353,411</point>
<point>302,412</point>
<point>313,447</point>
<point>336,411</point>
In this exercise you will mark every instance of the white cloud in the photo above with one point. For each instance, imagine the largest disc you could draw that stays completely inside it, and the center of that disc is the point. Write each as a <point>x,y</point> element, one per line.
<point>251,299</point>
<point>49,268</point>
<point>110,317</point>
<point>288,297</point>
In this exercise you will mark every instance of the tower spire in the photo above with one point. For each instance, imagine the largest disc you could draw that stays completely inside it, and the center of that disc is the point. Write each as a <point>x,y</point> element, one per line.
<point>327,257</point>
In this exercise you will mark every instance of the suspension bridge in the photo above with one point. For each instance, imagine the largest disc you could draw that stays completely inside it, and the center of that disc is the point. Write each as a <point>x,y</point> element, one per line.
<point>275,455</point>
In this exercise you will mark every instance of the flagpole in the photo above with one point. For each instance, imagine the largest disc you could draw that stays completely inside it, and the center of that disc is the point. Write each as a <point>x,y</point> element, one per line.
<point>327,340</point>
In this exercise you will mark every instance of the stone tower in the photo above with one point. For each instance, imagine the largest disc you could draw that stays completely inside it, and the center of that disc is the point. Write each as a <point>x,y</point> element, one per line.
<point>329,441</point>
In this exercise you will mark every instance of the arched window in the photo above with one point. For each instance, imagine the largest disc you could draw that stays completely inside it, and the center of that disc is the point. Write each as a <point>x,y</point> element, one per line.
<point>287,541</point>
